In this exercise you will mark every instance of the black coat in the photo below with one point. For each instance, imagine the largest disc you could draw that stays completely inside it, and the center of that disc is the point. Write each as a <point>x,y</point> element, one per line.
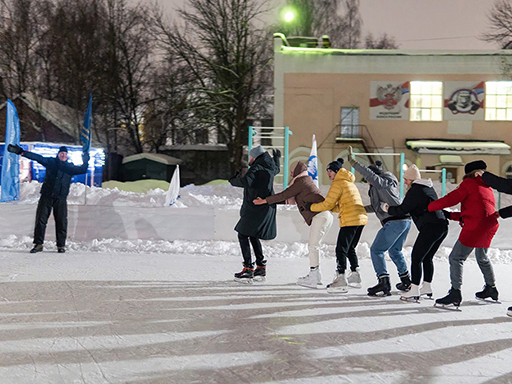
<point>257,220</point>
<point>416,202</point>
<point>58,173</point>
<point>501,185</point>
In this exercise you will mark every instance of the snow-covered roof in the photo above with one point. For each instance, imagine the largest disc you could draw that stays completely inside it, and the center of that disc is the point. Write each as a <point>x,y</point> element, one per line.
<point>450,147</point>
<point>158,157</point>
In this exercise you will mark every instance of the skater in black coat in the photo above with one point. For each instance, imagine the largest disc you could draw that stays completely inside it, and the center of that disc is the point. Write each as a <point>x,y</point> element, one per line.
<point>432,227</point>
<point>257,222</point>
<point>504,186</point>
<point>54,193</point>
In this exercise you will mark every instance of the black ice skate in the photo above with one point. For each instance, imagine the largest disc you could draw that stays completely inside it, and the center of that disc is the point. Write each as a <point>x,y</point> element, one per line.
<point>509,311</point>
<point>487,292</point>
<point>383,288</point>
<point>260,273</point>
<point>405,284</point>
<point>37,248</point>
<point>454,297</point>
<point>245,276</point>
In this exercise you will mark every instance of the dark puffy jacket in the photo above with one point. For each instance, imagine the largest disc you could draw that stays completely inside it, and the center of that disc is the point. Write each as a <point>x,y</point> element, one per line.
<point>303,190</point>
<point>501,185</point>
<point>416,202</point>
<point>58,173</point>
<point>477,214</point>
<point>257,220</point>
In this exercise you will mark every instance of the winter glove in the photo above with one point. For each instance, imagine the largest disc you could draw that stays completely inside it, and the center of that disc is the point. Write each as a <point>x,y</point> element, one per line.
<point>276,153</point>
<point>351,158</point>
<point>446,214</point>
<point>15,149</point>
<point>384,206</point>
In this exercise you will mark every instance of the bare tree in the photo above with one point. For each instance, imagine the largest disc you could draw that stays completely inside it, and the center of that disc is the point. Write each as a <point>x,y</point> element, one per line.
<point>500,29</point>
<point>381,42</point>
<point>226,54</point>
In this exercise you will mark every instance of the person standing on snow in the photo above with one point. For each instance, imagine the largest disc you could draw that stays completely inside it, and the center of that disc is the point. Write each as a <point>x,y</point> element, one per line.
<point>302,190</point>
<point>343,197</point>
<point>479,222</point>
<point>391,237</point>
<point>432,227</point>
<point>257,222</point>
<point>54,193</point>
<point>504,186</point>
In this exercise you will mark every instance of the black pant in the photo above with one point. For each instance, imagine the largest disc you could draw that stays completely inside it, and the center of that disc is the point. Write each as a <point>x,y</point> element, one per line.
<point>348,237</point>
<point>425,247</point>
<point>60,212</point>
<point>246,250</point>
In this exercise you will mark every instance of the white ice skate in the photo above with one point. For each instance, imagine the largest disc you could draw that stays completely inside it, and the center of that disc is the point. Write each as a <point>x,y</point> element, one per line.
<point>426,289</point>
<point>354,279</point>
<point>339,284</point>
<point>312,280</point>
<point>412,295</point>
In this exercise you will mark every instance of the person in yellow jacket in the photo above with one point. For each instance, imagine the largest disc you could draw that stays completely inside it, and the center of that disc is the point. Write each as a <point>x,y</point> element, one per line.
<point>344,198</point>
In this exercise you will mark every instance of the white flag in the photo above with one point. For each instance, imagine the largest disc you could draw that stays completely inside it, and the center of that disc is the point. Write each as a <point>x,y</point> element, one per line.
<point>313,163</point>
<point>173,193</point>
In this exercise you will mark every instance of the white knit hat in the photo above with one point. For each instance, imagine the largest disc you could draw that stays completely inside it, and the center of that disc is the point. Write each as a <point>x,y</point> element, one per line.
<point>412,173</point>
<point>257,151</point>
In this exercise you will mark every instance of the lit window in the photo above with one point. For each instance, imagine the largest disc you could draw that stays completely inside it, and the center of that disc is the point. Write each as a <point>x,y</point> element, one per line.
<point>426,101</point>
<point>498,100</point>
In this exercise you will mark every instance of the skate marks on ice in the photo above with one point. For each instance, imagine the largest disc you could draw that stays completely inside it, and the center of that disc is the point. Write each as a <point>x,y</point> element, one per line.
<point>211,332</point>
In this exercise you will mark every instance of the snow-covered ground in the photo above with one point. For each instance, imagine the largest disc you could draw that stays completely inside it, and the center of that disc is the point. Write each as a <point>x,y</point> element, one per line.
<point>141,306</point>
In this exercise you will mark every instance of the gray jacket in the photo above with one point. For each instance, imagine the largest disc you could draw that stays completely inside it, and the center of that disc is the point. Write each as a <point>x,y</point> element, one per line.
<point>384,188</point>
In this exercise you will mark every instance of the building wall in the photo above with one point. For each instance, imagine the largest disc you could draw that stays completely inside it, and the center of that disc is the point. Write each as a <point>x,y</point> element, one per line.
<point>312,88</point>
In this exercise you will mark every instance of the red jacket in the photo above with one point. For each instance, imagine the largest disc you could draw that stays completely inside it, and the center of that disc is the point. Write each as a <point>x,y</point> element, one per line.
<point>477,216</point>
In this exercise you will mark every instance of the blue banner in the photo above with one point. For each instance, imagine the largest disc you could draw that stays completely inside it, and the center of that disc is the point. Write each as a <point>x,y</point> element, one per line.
<point>85,132</point>
<point>11,161</point>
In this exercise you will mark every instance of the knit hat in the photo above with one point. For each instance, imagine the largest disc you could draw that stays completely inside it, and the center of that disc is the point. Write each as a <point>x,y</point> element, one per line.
<point>63,149</point>
<point>257,151</point>
<point>474,165</point>
<point>412,173</point>
<point>336,165</point>
<point>376,168</point>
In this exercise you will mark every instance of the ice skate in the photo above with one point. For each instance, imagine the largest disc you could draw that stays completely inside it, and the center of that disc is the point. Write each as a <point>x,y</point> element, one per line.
<point>260,273</point>
<point>509,311</point>
<point>412,295</point>
<point>245,276</point>
<point>61,249</point>
<point>383,287</point>
<point>37,248</point>
<point>454,297</point>
<point>405,283</point>
<point>426,289</point>
<point>488,292</point>
<point>312,280</point>
<point>339,284</point>
<point>354,279</point>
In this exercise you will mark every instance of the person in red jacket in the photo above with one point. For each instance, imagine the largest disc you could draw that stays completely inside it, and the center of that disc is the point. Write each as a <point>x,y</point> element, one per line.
<point>479,223</point>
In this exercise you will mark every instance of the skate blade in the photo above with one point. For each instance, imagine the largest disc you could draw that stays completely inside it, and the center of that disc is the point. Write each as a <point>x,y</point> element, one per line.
<point>308,286</point>
<point>488,300</point>
<point>355,285</point>
<point>259,279</point>
<point>378,294</point>
<point>449,307</point>
<point>243,281</point>
<point>337,290</point>
<point>413,299</point>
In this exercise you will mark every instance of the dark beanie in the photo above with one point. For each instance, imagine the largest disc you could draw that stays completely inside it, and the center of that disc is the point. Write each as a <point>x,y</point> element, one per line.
<point>63,149</point>
<point>336,165</point>
<point>376,168</point>
<point>474,165</point>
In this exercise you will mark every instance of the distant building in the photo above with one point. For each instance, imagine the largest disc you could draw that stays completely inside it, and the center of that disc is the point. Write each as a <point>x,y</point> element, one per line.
<point>43,120</point>
<point>441,109</point>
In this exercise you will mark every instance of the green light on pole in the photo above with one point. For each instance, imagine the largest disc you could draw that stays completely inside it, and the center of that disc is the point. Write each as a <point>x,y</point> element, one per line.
<point>289,16</point>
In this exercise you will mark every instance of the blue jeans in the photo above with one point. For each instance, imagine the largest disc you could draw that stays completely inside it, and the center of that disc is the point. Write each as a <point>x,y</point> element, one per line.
<point>391,237</point>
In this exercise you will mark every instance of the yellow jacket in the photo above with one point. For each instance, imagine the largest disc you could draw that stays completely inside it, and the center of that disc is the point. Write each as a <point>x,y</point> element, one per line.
<point>344,197</point>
